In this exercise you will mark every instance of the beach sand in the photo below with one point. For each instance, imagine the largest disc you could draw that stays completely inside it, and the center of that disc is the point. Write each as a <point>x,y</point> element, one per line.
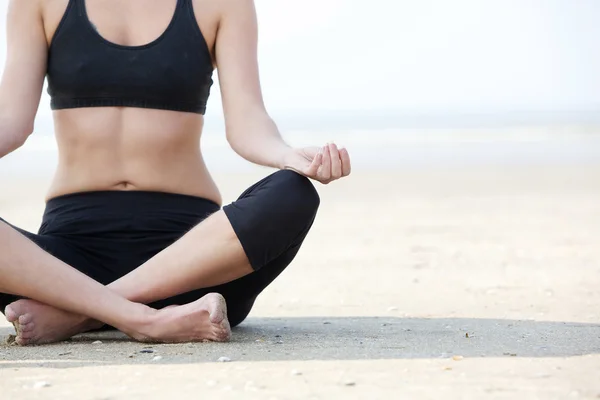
<point>437,281</point>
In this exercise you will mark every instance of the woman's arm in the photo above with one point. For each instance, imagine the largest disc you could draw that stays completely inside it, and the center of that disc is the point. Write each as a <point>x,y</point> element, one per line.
<point>250,130</point>
<point>24,72</point>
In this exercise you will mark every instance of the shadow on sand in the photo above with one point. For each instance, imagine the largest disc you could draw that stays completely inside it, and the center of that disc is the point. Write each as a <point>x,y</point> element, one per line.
<point>350,338</point>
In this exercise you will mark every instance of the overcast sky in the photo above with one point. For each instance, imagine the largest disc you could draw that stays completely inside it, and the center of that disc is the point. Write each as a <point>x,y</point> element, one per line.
<point>425,55</point>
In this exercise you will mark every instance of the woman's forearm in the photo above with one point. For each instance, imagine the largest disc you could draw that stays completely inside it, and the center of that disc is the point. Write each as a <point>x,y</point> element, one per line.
<point>258,140</point>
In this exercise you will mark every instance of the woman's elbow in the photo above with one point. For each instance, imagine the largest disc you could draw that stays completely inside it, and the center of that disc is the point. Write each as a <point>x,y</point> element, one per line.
<point>13,136</point>
<point>232,139</point>
<point>21,137</point>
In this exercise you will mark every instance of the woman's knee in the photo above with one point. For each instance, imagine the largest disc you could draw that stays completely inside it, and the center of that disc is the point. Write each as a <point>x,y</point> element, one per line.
<point>274,216</point>
<point>296,194</point>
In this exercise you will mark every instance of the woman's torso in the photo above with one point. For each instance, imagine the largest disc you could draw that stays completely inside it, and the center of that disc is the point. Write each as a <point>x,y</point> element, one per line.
<point>125,148</point>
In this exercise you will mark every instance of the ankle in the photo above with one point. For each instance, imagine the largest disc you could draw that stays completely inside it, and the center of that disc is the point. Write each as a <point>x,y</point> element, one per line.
<point>141,324</point>
<point>89,324</point>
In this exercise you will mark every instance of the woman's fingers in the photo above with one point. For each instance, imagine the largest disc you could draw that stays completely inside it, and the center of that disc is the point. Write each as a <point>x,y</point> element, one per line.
<point>325,164</point>
<point>325,171</point>
<point>310,153</point>
<point>336,162</point>
<point>346,164</point>
<point>313,169</point>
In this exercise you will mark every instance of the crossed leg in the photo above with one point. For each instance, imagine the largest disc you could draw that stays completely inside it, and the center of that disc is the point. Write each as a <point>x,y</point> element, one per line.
<point>28,271</point>
<point>209,256</point>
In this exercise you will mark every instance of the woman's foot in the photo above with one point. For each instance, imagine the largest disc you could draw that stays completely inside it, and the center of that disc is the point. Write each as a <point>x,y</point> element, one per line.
<point>38,323</point>
<point>203,320</point>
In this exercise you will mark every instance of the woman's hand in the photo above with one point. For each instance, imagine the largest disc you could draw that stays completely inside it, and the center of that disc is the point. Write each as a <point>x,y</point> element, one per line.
<point>323,164</point>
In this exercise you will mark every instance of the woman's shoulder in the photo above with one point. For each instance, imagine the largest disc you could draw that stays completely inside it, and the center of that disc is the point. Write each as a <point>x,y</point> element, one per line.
<point>24,11</point>
<point>49,4</point>
<point>30,5</point>
<point>222,6</point>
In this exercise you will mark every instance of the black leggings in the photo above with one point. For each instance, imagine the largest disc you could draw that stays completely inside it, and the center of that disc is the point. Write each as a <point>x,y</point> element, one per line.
<point>108,234</point>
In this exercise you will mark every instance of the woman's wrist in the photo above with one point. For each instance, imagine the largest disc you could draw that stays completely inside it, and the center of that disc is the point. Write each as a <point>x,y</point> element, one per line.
<point>288,153</point>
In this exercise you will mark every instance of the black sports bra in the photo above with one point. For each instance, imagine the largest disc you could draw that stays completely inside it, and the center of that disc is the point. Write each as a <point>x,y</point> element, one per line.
<point>174,72</point>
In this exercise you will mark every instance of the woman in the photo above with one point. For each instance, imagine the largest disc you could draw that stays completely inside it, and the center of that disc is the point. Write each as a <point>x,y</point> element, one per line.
<point>132,205</point>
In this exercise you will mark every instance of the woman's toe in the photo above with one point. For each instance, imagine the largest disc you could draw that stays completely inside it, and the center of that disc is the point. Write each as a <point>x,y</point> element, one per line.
<point>26,327</point>
<point>25,319</point>
<point>27,335</point>
<point>10,314</point>
<point>22,341</point>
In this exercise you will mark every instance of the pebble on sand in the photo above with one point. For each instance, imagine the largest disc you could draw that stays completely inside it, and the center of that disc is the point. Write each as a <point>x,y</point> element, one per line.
<point>295,372</point>
<point>97,342</point>
<point>224,359</point>
<point>457,358</point>
<point>41,384</point>
<point>349,383</point>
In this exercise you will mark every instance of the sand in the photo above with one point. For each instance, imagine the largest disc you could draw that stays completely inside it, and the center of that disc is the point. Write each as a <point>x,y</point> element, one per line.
<point>427,282</point>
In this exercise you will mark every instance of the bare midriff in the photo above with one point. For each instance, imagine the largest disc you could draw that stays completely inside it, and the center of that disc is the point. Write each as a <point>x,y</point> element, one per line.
<point>130,149</point>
